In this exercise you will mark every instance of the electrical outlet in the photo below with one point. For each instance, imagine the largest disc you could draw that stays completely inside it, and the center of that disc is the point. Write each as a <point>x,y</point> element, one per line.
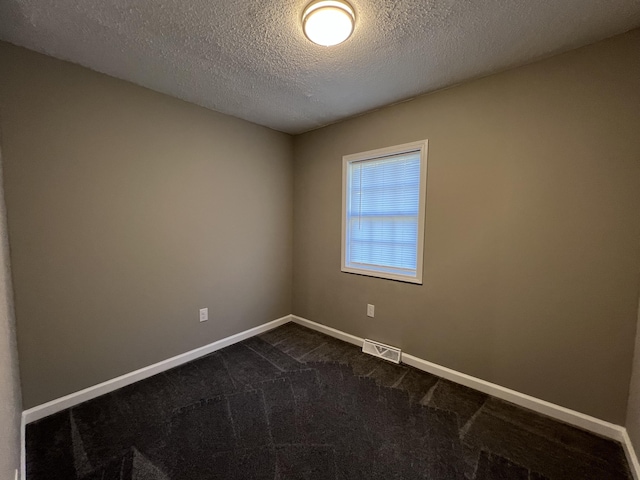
<point>204,314</point>
<point>371,310</point>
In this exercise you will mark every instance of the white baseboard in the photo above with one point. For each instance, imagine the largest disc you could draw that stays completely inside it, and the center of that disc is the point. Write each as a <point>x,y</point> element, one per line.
<point>566,415</point>
<point>59,404</point>
<point>549,409</point>
<point>23,449</point>
<point>332,332</point>
<point>572,417</point>
<point>630,453</point>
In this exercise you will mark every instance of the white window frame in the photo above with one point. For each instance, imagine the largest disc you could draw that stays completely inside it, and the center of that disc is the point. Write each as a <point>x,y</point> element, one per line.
<point>419,146</point>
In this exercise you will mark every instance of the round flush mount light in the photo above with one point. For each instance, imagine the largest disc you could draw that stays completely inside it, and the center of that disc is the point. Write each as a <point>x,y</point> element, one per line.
<point>328,22</point>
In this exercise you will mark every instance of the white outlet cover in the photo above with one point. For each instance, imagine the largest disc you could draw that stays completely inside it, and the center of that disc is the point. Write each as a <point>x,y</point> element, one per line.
<point>204,314</point>
<point>371,310</point>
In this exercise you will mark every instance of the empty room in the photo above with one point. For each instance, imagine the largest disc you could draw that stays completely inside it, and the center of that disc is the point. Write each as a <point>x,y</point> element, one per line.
<point>319,240</point>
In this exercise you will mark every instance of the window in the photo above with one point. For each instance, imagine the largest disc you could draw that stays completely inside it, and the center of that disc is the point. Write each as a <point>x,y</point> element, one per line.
<point>383,212</point>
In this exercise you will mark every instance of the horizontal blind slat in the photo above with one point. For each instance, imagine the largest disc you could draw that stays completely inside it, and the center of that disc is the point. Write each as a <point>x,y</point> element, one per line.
<point>382,216</point>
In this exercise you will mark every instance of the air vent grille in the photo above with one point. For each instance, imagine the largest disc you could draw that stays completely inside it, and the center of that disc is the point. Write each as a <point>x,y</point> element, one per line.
<point>381,350</point>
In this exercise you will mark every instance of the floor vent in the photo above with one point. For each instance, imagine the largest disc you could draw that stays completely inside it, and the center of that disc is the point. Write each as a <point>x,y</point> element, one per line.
<point>381,350</point>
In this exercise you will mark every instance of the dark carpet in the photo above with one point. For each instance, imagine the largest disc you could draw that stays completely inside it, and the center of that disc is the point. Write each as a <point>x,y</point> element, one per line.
<point>295,404</point>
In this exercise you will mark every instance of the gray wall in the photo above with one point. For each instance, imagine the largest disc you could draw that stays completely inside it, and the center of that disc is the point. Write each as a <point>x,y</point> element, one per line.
<point>128,211</point>
<point>633,408</point>
<point>10,400</point>
<point>532,232</point>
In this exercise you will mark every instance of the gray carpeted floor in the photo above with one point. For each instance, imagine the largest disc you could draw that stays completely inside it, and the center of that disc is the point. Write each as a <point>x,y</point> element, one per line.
<point>296,404</point>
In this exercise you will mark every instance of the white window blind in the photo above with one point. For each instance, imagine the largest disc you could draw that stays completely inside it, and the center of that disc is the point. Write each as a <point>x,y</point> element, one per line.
<point>383,216</point>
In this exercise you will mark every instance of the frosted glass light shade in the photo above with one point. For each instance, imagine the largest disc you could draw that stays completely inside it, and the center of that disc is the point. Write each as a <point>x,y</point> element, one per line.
<point>328,22</point>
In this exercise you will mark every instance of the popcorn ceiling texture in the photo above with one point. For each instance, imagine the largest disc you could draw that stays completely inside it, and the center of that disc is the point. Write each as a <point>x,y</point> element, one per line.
<point>251,60</point>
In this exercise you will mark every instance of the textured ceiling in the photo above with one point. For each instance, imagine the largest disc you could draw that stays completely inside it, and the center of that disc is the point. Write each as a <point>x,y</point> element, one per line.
<point>250,59</point>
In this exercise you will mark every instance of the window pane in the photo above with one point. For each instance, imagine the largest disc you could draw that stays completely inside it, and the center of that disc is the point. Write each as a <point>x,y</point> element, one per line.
<point>382,213</point>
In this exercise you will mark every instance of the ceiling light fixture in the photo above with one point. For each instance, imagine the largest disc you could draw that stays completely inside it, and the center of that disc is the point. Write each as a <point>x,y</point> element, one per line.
<point>328,22</point>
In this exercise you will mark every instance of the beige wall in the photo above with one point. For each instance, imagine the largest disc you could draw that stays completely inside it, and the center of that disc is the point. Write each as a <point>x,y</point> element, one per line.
<point>633,407</point>
<point>10,400</point>
<point>128,211</point>
<point>532,233</point>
